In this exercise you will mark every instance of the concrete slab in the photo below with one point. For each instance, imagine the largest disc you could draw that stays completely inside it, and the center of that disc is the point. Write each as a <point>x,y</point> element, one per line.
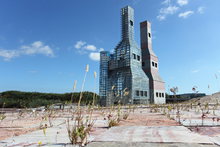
<point>55,135</point>
<point>142,128</point>
<point>142,144</point>
<point>164,134</point>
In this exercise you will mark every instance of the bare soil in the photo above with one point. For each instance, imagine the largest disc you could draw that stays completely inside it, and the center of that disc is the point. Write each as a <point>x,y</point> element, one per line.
<point>147,119</point>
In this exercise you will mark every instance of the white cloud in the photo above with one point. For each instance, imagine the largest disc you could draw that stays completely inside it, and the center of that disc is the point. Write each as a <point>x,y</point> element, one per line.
<point>92,51</point>
<point>170,10</point>
<point>201,10</point>
<point>36,47</point>
<point>82,47</point>
<point>8,54</point>
<point>185,14</point>
<point>182,2</point>
<point>195,71</point>
<point>101,49</point>
<point>166,2</point>
<point>94,56</point>
<point>90,47</point>
<point>112,51</point>
<point>161,17</point>
<point>79,44</point>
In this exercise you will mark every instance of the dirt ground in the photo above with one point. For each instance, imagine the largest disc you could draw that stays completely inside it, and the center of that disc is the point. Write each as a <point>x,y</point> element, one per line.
<point>13,125</point>
<point>16,123</point>
<point>148,119</point>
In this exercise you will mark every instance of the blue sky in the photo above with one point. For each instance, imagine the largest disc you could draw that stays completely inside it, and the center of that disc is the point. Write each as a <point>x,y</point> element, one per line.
<point>46,44</point>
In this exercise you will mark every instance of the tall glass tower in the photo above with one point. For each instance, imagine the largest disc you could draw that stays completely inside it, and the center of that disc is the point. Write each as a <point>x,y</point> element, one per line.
<point>126,82</point>
<point>103,81</point>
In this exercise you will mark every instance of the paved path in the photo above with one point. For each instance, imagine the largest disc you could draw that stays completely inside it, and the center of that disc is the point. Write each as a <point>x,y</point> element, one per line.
<point>143,144</point>
<point>126,135</point>
<point>164,134</point>
<point>123,136</point>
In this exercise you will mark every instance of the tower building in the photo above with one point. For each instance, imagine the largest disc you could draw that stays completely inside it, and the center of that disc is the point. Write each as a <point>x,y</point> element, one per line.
<point>150,65</point>
<point>123,79</point>
<point>103,81</point>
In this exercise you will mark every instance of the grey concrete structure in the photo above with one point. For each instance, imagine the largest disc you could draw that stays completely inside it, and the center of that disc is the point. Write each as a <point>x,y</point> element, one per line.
<point>150,65</point>
<point>122,79</point>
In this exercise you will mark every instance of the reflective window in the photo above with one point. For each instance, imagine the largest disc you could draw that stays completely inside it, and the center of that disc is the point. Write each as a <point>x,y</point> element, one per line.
<point>145,93</point>
<point>149,35</point>
<point>138,58</point>
<point>152,63</point>
<point>131,23</point>
<point>134,56</point>
<point>137,93</point>
<point>142,93</point>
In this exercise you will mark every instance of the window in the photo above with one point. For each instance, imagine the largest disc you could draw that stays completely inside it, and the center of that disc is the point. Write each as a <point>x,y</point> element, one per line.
<point>134,56</point>
<point>131,23</point>
<point>138,58</point>
<point>142,93</point>
<point>160,94</point>
<point>152,63</point>
<point>137,93</point>
<point>157,94</point>
<point>143,63</point>
<point>145,93</point>
<point>155,64</point>
<point>149,35</point>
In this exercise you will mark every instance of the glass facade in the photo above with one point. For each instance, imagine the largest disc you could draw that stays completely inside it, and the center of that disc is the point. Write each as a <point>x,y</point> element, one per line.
<point>103,81</point>
<point>121,73</point>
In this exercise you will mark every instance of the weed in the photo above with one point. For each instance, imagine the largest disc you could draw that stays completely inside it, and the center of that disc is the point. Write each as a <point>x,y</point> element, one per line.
<point>39,143</point>
<point>203,117</point>
<point>112,121</point>
<point>84,80</point>
<point>79,131</point>
<point>2,116</point>
<point>125,115</point>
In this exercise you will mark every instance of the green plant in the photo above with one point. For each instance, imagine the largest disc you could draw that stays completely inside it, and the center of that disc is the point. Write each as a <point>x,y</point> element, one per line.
<point>119,113</point>
<point>125,115</point>
<point>2,116</point>
<point>74,88</point>
<point>207,107</point>
<point>84,80</point>
<point>154,108</point>
<point>78,133</point>
<point>203,117</point>
<point>81,128</point>
<point>112,123</point>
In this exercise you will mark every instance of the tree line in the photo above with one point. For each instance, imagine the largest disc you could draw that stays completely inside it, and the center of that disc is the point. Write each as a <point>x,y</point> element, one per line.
<point>19,99</point>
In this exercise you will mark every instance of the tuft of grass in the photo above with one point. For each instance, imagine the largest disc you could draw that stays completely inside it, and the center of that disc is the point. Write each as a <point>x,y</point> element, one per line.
<point>112,123</point>
<point>81,127</point>
<point>125,115</point>
<point>2,116</point>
